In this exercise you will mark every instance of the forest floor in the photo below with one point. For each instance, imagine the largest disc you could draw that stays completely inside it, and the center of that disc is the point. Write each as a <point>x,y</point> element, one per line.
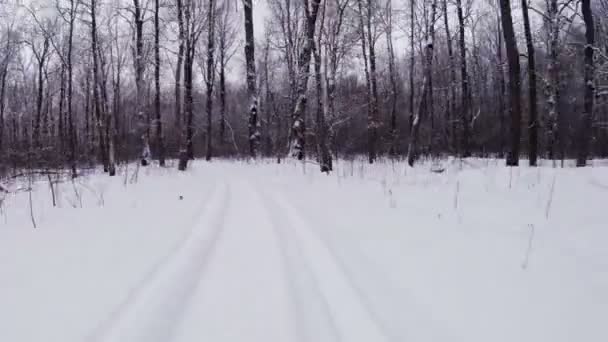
<point>236,251</point>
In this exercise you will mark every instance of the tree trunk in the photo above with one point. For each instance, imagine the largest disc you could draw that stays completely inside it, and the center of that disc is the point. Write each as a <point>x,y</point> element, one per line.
<point>71,128</point>
<point>160,144</point>
<point>323,153</point>
<point>514,83</point>
<point>533,120</point>
<point>500,75</point>
<point>584,131</point>
<point>373,119</point>
<point>210,76</point>
<point>254,124</point>
<point>465,104</point>
<point>370,124</point>
<point>297,128</point>
<point>451,105</point>
<point>553,82</point>
<point>222,89</point>
<point>138,18</point>
<point>187,150</point>
<point>178,68</point>
<point>412,61</point>
<point>392,70</point>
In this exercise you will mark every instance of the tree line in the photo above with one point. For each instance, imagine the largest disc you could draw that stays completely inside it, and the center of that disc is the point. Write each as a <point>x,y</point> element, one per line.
<point>104,82</point>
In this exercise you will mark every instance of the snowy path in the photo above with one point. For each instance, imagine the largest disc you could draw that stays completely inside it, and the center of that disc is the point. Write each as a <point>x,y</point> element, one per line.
<point>251,259</point>
<point>234,251</point>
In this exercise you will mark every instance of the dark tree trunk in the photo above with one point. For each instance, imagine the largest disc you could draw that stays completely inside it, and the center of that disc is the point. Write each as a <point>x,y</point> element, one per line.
<point>178,68</point>
<point>222,90</point>
<point>371,132</point>
<point>160,144</point>
<point>514,83</point>
<point>210,78</point>
<point>187,150</point>
<point>500,75</point>
<point>138,18</point>
<point>254,124</point>
<point>392,70</point>
<point>451,105</point>
<point>584,131</point>
<point>297,129</point>
<point>465,104</point>
<point>96,80</point>
<point>325,159</point>
<point>533,120</point>
<point>412,61</point>
<point>373,119</point>
<point>71,128</point>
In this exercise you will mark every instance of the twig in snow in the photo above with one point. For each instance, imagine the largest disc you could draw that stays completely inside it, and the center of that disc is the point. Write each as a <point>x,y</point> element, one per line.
<point>524,265</point>
<point>550,200</point>
<point>52,189</point>
<point>456,194</point>
<point>30,200</point>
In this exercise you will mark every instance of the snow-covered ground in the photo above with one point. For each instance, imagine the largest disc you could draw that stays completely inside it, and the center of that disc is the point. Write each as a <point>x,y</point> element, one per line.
<point>267,252</point>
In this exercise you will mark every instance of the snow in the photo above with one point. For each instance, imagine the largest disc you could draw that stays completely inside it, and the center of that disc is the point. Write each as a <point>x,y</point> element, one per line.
<point>255,251</point>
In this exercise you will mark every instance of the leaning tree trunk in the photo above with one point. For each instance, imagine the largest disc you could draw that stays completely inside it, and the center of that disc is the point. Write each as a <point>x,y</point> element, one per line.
<point>533,120</point>
<point>514,83</point>
<point>584,131</point>
<point>254,124</point>
<point>297,128</point>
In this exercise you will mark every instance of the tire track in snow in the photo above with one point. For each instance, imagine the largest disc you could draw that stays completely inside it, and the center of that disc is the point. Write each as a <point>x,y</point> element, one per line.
<point>347,307</point>
<point>315,321</point>
<point>154,308</point>
<point>245,293</point>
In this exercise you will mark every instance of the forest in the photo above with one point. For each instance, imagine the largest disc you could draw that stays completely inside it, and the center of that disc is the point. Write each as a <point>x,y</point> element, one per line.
<point>106,82</point>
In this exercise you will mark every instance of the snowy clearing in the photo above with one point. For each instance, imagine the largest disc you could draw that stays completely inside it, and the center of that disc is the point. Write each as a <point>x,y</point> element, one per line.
<point>267,252</point>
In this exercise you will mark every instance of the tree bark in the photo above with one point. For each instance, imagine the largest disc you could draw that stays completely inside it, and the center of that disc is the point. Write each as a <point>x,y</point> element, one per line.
<point>533,120</point>
<point>311,9</point>
<point>138,18</point>
<point>160,144</point>
<point>464,75</point>
<point>514,83</point>
<point>584,131</point>
<point>254,124</point>
<point>451,105</point>
<point>210,76</point>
